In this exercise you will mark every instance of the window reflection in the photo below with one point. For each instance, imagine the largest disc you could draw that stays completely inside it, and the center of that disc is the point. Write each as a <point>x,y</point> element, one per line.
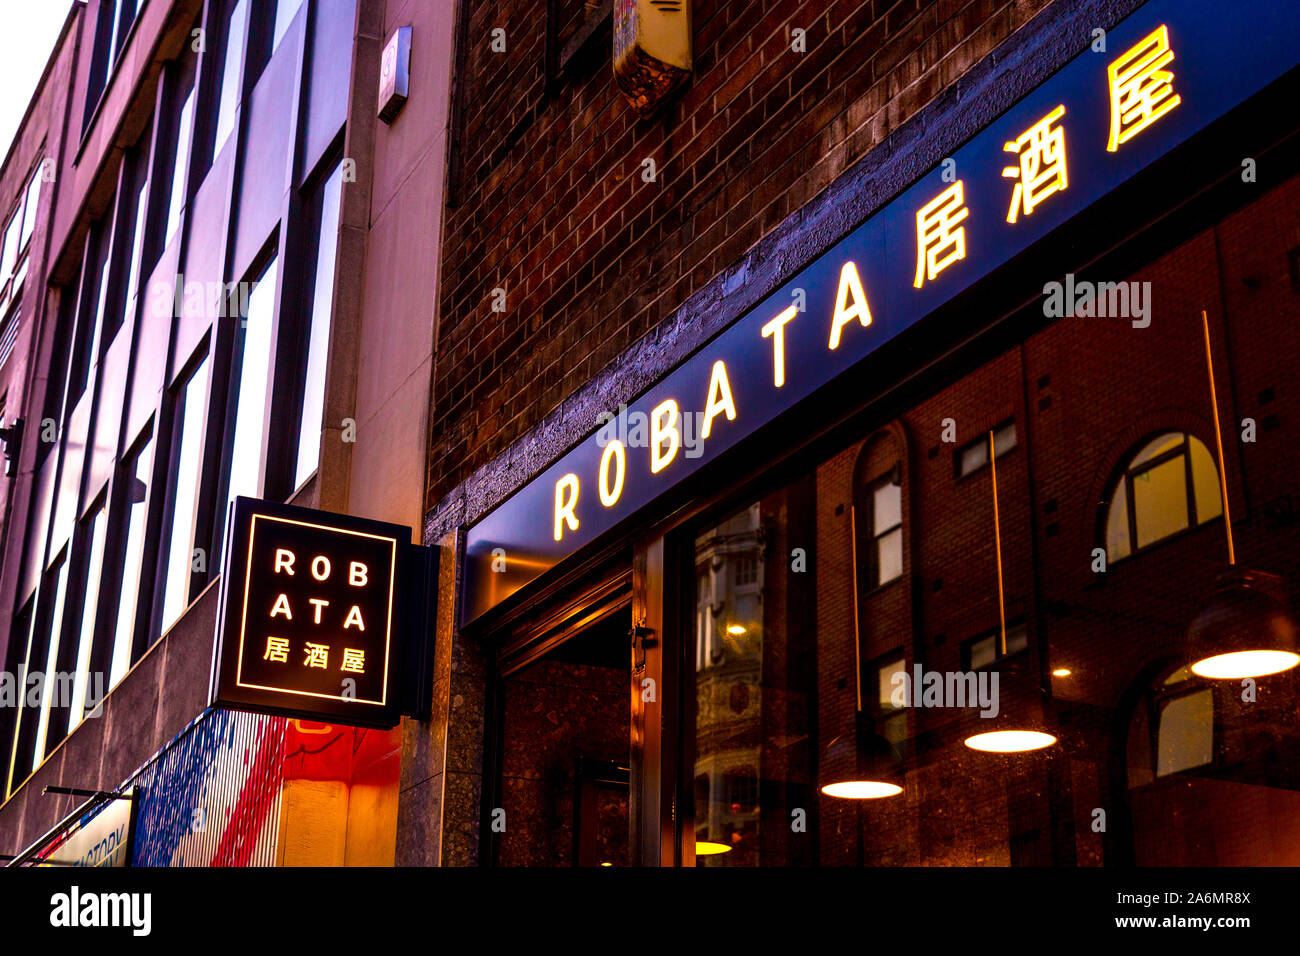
<point>84,691</point>
<point>754,684</point>
<point>231,73</point>
<point>253,361</point>
<point>135,491</point>
<point>1170,484</point>
<point>190,419</point>
<point>322,302</point>
<point>1173,759</point>
<point>46,656</point>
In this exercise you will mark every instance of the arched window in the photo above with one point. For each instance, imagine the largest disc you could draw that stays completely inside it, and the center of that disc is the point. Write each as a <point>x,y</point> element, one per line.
<point>1172,729</point>
<point>1170,484</point>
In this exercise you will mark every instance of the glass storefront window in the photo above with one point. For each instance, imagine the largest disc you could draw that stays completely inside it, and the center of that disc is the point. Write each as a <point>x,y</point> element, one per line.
<point>755,689</point>
<point>793,671</point>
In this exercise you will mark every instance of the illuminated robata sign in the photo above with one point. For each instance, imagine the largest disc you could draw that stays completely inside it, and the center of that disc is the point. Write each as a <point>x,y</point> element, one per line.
<point>319,611</point>
<point>1166,73</point>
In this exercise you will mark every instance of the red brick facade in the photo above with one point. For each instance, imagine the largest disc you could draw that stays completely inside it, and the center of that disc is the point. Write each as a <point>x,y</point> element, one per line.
<point>552,207</point>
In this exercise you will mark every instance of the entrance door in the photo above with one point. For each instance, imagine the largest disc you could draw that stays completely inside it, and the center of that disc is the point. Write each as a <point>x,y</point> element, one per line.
<point>565,722</point>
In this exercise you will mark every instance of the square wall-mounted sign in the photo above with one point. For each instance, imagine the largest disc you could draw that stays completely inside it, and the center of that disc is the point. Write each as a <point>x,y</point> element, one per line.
<point>316,615</point>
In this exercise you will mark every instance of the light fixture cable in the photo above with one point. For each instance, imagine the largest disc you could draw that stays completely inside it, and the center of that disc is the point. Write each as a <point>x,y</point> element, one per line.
<point>1218,438</point>
<point>997,546</point>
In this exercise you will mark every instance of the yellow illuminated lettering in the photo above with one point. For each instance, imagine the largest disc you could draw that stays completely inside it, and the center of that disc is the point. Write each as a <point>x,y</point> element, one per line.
<point>775,330</point>
<point>613,452</point>
<point>1141,89</point>
<point>1041,172</point>
<point>846,311</point>
<point>277,650</point>
<point>940,239</point>
<point>354,660</point>
<point>354,615</point>
<point>317,655</point>
<point>284,561</point>
<point>663,425</point>
<point>358,574</point>
<point>281,606</point>
<point>320,567</point>
<point>719,398</point>
<point>319,603</point>
<point>566,499</point>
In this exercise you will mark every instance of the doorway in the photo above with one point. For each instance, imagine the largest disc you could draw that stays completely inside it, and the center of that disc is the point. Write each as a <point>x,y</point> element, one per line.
<point>565,730</point>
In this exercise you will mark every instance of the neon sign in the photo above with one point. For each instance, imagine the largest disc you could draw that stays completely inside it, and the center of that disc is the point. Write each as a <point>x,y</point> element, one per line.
<point>1098,121</point>
<point>315,611</point>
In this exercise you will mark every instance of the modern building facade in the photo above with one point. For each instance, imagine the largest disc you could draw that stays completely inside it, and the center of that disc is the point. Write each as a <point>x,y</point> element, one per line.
<point>221,176</point>
<point>792,393</point>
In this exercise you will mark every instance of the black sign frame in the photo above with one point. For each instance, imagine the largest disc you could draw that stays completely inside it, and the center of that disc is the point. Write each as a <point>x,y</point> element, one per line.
<point>403,586</point>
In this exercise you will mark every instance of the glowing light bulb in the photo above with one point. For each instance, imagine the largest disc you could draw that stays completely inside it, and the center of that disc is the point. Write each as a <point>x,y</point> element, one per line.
<point>1010,741</point>
<point>1239,664</point>
<point>708,848</point>
<point>861,789</point>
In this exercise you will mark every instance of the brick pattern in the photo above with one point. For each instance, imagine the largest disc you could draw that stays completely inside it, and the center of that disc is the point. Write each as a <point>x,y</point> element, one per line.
<point>554,210</point>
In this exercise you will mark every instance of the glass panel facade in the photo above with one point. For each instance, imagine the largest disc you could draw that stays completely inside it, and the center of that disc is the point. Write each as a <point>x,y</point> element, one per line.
<point>231,74</point>
<point>135,492</point>
<point>85,691</point>
<point>253,358</point>
<point>284,14</point>
<point>322,303</point>
<point>190,417</point>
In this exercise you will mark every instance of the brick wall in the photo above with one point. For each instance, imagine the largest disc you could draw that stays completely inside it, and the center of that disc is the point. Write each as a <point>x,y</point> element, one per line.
<point>552,206</point>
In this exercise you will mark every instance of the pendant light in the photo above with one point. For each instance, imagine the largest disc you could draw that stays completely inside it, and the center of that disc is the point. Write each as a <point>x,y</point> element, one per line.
<point>1006,733</point>
<point>860,764</point>
<point>1245,628</point>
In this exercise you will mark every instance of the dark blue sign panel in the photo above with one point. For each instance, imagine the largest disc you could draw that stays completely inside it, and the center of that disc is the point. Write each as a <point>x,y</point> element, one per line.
<point>1168,71</point>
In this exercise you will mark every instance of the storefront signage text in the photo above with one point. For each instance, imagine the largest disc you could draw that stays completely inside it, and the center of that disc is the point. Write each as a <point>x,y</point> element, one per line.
<point>1165,73</point>
<point>310,616</point>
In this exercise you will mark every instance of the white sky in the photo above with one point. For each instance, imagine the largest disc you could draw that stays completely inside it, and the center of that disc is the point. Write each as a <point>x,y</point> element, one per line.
<point>26,42</point>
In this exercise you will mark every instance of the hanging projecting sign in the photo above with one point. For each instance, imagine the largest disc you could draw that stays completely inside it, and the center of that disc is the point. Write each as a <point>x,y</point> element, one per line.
<point>319,614</point>
<point>1166,73</point>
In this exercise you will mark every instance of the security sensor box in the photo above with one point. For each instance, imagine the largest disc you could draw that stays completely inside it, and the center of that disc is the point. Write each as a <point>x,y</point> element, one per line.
<point>652,51</point>
<point>395,75</point>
